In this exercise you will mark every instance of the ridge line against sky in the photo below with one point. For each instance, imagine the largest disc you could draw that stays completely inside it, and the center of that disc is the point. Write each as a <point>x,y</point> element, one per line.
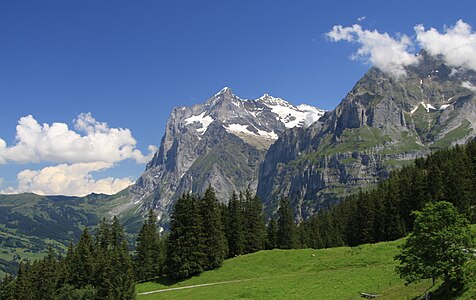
<point>64,65</point>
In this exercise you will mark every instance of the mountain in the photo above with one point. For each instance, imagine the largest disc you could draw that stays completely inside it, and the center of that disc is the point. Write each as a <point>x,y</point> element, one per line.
<point>219,143</point>
<point>383,123</point>
<point>30,223</point>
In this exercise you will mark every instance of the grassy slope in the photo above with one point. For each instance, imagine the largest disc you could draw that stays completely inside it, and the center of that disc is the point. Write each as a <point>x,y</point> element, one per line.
<point>338,273</point>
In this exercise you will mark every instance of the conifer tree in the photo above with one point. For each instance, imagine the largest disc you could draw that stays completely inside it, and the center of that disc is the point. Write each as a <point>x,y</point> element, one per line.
<point>272,234</point>
<point>185,248</point>
<point>82,262</point>
<point>254,229</point>
<point>23,284</point>
<point>149,258</point>
<point>122,276</point>
<point>287,238</point>
<point>213,231</point>
<point>235,227</point>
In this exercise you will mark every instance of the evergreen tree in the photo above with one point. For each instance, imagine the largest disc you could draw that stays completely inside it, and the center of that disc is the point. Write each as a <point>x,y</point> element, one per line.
<point>149,257</point>
<point>185,249</point>
<point>287,238</point>
<point>121,279</point>
<point>23,284</point>
<point>213,231</point>
<point>235,227</point>
<point>254,229</point>
<point>82,262</point>
<point>272,234</point>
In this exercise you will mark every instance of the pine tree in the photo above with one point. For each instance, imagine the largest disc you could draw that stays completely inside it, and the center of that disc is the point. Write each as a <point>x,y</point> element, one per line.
<point>149,258</point>
<point>287,238</point>
<point>122,274</point>
<point>23,284</point>
<point>185,248</point>
<point>272,234</point>
<point>213,231</point>
<point>254,229</point>
<point>82,262</point>
<point>235,227</point>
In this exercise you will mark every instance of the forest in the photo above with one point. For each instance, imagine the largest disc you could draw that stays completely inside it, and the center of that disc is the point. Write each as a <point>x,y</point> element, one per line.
<point>204,231</point>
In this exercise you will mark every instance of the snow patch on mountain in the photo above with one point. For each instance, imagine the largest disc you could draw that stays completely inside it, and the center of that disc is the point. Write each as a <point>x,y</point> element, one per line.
<point>205,121</point>
<point>239,129</point>
<point>426,106</point>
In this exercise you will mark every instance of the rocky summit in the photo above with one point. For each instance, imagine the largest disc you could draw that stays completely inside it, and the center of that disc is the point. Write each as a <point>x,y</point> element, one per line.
<point>221,143</point>
<point>383,123</point>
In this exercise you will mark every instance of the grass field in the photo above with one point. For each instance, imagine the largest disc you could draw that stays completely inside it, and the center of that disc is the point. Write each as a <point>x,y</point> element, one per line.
<point>338,273</point>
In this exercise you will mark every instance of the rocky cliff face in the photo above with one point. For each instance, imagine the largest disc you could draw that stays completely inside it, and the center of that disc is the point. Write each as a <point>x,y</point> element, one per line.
<point>220,143</point>
<point>381,124</point>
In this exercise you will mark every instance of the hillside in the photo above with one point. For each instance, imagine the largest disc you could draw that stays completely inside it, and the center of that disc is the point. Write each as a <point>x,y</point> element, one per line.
<point>30,223</point>
<point>336,273</point>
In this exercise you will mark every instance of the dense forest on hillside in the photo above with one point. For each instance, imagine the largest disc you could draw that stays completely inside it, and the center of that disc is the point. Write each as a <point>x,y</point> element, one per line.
<point>385,213</point>
<point>204,232</point>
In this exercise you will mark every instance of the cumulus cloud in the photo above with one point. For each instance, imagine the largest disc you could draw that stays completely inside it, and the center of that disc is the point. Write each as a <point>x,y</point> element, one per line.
<point>360,19</point>
<point>71,180</point>
<point>60,144</point>
<point>457,44</point>
<point>387,53</point>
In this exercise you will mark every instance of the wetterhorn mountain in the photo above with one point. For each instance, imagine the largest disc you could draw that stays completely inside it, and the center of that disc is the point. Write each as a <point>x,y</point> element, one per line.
<point>382,123</point>
<point>219,143</point>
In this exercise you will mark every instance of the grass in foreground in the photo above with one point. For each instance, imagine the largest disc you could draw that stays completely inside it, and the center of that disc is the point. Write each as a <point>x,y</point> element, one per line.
<point>338,273</point>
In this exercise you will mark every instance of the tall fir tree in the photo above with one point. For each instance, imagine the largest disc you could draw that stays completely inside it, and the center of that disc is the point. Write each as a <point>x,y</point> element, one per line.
<point>82,262</point>
<point>254,227</point>
<point>149,257</point>
<point>185,248</point>
<point>121,279</point>
<point>235,227</point>
<point>272,234</point>
<point>213,231</point>
<point>287,238</point>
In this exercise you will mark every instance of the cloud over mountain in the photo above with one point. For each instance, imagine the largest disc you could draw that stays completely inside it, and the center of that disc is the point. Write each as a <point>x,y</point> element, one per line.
<point>456,45</point>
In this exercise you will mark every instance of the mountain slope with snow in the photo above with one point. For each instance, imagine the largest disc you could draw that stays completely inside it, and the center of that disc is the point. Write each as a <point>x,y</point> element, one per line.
<point>221,142</point>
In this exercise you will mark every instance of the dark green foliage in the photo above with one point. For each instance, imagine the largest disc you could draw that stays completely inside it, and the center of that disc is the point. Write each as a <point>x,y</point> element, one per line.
<point>185,245</point>
<point>438,247</point>
<point>254,228</point>
<point>149,256</point>
<point>213,232</point>
<point>93,269</point>
<point>272,234</point>
<point>385,213</point>
<point>287,238</point>
<point>234,229</point>
<point>82,262</point>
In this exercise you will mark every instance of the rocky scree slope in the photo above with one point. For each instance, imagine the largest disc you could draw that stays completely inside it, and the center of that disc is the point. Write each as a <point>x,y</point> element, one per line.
<point>383,123</point>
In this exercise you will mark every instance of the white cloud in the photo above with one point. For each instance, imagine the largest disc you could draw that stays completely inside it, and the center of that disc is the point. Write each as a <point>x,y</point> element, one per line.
<point>456,44</point>
<point>469,86</point>
<point>389,54</point>
<point>57,143</point>
<point>71,180</point>
<point>360,19</point>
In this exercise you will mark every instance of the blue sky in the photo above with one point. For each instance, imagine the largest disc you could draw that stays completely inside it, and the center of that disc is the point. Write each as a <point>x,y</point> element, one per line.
<point>128,63</point>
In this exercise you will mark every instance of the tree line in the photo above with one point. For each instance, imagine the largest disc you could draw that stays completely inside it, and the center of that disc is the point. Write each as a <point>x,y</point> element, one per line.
<point>384,213</point>
<point>205,231</point>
